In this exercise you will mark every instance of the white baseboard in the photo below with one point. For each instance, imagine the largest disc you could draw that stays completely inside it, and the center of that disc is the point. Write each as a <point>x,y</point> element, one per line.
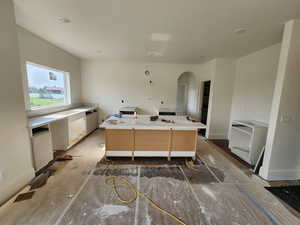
<point>10,188</point>
<point>218,136</point>
<point>276,175</point>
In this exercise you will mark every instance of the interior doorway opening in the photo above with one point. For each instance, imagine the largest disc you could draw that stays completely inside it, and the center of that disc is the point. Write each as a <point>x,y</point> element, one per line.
<point>187,97</point>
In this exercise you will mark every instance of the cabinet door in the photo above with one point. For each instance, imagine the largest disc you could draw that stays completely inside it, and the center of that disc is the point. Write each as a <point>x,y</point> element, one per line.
<point>42,149</point>
<point>119,140</point>
<point>184,140</point>
<point>91,122</point>
<point>77,129</point>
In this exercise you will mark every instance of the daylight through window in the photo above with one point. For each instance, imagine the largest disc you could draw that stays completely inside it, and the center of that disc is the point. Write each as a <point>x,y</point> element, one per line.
<point>47,87</point>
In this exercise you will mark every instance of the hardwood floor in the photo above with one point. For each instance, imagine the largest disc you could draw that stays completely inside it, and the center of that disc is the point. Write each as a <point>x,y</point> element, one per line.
<point>221,191</point>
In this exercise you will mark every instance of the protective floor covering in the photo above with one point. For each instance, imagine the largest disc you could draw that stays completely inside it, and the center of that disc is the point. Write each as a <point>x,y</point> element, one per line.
<point>196,196</point>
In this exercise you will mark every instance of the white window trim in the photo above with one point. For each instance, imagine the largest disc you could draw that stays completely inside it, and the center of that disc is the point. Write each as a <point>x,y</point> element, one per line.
<point>53,106</point>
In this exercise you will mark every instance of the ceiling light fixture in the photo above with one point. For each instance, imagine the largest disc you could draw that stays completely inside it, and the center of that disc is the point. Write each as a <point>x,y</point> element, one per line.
<point>162,37</point>
<point>240,31</point>
<point>64,20</point>
<point>155,54</point>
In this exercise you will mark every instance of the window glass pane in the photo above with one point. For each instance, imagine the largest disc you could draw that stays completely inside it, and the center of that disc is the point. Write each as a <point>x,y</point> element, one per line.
<point>46,87</point>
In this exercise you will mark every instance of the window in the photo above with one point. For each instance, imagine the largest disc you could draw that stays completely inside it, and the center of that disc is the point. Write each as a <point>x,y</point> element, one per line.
<point>46,87</point>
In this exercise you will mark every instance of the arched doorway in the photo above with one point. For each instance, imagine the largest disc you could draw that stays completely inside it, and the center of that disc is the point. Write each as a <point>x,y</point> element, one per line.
<point>187,97</point>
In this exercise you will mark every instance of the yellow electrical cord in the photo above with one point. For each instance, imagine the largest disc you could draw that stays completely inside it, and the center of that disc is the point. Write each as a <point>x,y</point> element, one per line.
<point>111,182</point>
<point>191,165</point>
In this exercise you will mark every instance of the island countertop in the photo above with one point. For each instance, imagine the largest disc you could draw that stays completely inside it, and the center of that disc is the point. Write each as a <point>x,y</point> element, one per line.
<point>143,123</point>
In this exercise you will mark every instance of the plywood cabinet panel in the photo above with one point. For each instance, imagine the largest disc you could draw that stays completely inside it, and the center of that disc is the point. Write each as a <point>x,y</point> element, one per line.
<point>184,140</point>
<point>152,140</point>
<point>119,140</point>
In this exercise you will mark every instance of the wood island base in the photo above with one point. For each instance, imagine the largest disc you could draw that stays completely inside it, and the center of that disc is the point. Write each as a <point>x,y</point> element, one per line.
<point>150,143</point>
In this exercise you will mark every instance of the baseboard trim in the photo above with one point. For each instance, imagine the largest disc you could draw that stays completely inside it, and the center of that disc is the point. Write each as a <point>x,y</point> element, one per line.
<point>9,189</point>
<point>277,175</point>
<point>218,136</point>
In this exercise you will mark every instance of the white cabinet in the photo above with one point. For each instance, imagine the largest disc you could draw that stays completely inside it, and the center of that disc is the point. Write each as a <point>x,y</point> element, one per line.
<point>68,127</point>
<point>68,131</point>
<point>76,128</point>
<point>247,139</point>
<point>41,147</point>
<point>91,121</point>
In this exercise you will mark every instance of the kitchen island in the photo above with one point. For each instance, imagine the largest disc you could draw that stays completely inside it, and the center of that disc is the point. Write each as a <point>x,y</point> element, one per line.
<point>168,136</point>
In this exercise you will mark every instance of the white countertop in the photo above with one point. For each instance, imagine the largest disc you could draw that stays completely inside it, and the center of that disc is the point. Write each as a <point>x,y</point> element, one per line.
<point>46,119</point>
<point>143,122</point>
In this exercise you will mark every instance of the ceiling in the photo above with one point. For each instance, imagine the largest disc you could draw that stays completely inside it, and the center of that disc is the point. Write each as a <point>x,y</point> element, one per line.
<point>177,31</point>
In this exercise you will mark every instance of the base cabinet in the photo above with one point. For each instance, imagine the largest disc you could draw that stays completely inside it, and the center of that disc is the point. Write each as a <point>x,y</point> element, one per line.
<point>150,143</point>
<point>91,121</point>
<point>69,131</point>
<point>77,128</point>
<point>42,149</point>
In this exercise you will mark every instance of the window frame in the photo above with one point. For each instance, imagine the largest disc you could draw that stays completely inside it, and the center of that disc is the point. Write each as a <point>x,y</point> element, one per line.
<point>67,87</point>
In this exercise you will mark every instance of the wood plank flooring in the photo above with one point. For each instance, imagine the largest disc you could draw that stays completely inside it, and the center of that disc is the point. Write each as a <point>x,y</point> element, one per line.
<point>218,192</point>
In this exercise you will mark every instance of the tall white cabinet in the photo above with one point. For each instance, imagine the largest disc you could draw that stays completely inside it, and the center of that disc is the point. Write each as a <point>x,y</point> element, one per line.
<point>247,139</point>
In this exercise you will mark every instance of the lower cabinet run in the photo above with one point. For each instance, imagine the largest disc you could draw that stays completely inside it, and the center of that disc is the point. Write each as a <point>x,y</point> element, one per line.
<point>150,143</point>
<point>67,132</point>
<point>42,147</point>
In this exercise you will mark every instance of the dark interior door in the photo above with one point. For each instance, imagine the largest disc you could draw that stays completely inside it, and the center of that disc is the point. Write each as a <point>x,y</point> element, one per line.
<point>205,101</point>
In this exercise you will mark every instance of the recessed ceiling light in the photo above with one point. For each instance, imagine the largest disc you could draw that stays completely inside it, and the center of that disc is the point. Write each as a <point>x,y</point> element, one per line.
<point>160,37</point>
<point>154,54</point>
<point>240,31</point>
<point>64,20</point>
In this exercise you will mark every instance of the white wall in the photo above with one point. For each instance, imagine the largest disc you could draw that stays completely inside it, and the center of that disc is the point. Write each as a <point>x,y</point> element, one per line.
<point>15,159</point>
<point>221,98</point>
<point>36,50</point>
<point>106,83</point>
<point>254,85</point>
<point>282,156</point>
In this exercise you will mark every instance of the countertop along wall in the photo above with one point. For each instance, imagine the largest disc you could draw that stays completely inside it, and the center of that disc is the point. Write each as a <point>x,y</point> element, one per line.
<point>107,83</point>
<point>37,50</point>
<point>16,168</point>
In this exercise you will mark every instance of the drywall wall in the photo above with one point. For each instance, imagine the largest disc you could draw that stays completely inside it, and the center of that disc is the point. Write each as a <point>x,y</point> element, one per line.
<point>254,85</point>
<point>221,98</point>
<point>282,155</point>
<point>15,159</point>
<point>36,50</point>
<point>107,83</point>
<point>221,72</point>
